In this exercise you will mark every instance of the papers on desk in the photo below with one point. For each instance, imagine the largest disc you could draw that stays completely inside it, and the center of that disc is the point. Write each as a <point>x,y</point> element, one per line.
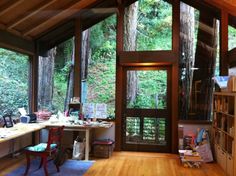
<point>92,110</point>
<point>7,132</point>
<point>103,124</point>
<point>22,111</point>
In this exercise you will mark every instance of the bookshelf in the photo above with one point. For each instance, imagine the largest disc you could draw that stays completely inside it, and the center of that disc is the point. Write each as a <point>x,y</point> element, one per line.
<point>223,128</point>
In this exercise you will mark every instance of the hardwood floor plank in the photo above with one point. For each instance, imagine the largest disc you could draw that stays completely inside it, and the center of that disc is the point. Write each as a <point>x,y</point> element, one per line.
<point>132,164</point>
<point>148,164</point>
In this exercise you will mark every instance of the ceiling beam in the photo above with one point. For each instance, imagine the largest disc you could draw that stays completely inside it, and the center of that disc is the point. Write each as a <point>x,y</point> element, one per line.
<point>223,5</point>
<point>67,12</point>
<point>32,12</point>
<point>14,32</point>
<point>55,37</point>
<point>16,43</point>
<point>9,5</point>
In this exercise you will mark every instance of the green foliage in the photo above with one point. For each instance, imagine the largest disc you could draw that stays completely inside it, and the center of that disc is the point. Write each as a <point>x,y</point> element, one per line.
<point>60,88</point>
<point>101,70</point>
<point>103,40</point>
<point>151,86</point>
<point>154,25</point>
<point>232,37</point>
<point>14,79</point>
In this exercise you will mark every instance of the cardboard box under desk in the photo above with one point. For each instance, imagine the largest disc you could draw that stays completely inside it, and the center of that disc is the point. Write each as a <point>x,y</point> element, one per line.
<point>103,149</point>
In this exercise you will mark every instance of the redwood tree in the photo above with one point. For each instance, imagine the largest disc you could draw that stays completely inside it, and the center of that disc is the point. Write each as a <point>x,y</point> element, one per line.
<point>130,33</point>
<point>45,82</point>
<point>187,57</point>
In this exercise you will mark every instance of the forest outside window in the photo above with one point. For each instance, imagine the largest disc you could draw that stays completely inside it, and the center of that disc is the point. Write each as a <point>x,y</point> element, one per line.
<point>14,81</point>
<point>232,47</point>
<point>150,88</point>
<point>98,68</point>
<point>150,23</point>
<point>231,37</point>
<point>199,62</point>
<point>55,81</point>
<point>98,63</point>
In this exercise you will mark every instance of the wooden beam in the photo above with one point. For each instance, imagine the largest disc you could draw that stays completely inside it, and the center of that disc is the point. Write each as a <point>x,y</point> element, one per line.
<point>203,6</point>
<point>224,43</point>
<point>32,12</point>
<point>232,57</point>
<point>146,57</point>
<point>223,5</point>
<point>56,36</point>
<point>175,76</point>
<point>14,32</point>
<point>77,63</point>
<point>13,42</point>
<point>69,10</point>
<point>33,82</point>
<point>119,78</point>
<point>9,5</point>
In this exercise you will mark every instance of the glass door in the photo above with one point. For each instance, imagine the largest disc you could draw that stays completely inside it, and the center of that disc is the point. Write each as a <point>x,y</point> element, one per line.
<point>146,109</point>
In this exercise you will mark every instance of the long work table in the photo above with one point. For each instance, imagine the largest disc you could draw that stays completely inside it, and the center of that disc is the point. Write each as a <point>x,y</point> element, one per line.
<point>21,129</point>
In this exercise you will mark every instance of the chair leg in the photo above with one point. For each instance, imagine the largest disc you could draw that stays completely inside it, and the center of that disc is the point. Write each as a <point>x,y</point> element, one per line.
<point>41,163</point>
<point>58,169</point>
<point>28,164</point>
<point>45,165</point>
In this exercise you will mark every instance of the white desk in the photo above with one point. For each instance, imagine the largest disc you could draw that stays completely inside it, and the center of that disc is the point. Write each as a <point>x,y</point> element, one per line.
<point>84,128</point>
<point>20,129</point>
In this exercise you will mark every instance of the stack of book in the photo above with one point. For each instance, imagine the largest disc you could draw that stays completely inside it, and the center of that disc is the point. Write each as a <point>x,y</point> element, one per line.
<point>190,159</point>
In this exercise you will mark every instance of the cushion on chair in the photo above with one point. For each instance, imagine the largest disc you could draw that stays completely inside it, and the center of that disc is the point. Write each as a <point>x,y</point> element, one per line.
<point>40,147</point>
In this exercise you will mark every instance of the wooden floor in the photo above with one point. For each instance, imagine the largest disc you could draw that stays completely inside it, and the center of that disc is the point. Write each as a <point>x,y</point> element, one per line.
<point>132,164</point>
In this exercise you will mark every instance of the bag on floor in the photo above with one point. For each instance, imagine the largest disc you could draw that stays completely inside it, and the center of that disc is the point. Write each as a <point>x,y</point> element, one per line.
<point>78,149</point>
<point>205,152</point>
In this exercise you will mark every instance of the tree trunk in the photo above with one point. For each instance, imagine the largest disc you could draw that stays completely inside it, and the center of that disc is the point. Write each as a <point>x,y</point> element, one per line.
<point>187,57</point>
<point>45,87</point>
<point>205,60</point>
<point>85,54</point>
<point>130,31</point>
<point>70,82</point>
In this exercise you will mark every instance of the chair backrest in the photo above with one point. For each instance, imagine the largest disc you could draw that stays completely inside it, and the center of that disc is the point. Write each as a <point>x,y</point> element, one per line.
<point>54,136</point>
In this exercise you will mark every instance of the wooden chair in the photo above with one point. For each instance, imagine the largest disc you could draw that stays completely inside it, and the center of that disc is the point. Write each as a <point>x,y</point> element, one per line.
<point>45,150</point>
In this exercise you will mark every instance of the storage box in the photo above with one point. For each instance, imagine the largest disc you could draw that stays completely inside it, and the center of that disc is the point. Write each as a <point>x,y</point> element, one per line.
<point>103,148</point>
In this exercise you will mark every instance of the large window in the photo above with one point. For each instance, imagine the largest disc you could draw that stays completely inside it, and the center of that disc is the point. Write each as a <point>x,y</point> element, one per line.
<point>14,81</point>
<point>231,37</point>
<point>151,89</point>
<point>231,45</point>
<point>199,62</point>
<point>56,78</point>
<point>150,23</point>
<point>99,64</point>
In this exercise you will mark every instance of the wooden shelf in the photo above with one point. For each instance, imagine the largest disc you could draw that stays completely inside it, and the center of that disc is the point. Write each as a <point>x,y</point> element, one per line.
<point>223,126</point>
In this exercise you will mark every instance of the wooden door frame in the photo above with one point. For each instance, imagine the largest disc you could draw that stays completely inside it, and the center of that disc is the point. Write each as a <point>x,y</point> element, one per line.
<point>149,57</point>
<point>152,113</point>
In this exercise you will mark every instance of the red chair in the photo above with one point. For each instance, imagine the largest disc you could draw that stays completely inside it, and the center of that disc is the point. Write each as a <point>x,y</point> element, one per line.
<point>45,150</point>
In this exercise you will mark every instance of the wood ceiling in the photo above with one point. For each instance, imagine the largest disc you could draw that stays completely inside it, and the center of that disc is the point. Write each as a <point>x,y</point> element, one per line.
<point>32,18</point>
<point>44,20</point>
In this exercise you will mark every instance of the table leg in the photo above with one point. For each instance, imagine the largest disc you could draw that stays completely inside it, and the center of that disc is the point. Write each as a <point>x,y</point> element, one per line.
<point>12,147</point>
<point>87,144</point>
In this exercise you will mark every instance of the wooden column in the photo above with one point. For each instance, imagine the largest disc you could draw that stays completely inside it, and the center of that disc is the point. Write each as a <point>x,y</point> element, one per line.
<point>175,75</point>
<point>119,79</point>
<point>224,43</point>
<point>77,64</point>
<point>33,82</point>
